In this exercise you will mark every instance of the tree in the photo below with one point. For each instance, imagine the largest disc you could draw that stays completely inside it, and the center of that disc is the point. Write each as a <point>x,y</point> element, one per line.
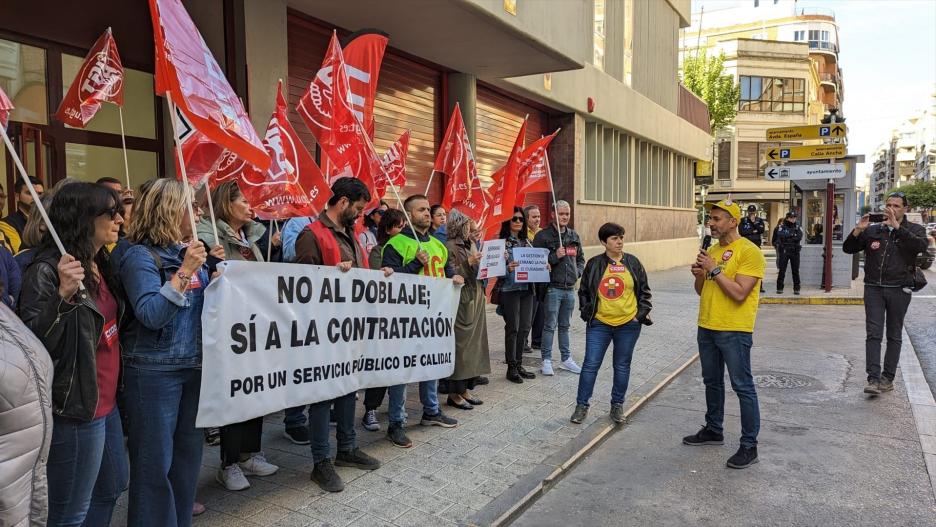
<point>920,194</point>
<point>705,76</point>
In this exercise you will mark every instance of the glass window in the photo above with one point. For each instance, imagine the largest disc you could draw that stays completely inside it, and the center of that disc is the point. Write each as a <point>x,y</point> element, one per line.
<point>599,34</point>
<point>771,94</point>
<point>89,163</point>
<point>799,35</point>
<point>23,79</point>
<point>756,88</point>
<point>745,88</point>
<point>139,102</point>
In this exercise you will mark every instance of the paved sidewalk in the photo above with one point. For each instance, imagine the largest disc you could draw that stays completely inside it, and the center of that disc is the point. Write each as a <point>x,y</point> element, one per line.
<point>829,455</point>
<point>451,475</point>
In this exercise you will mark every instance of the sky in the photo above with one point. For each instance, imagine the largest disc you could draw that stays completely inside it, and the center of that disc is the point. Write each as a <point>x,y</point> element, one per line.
<point>888,60</point>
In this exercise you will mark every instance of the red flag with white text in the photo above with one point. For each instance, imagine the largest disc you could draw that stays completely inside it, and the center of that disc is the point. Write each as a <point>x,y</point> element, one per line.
<point>186,71</point>
<point>456,161</point>
<point>100,79</point>
<point>504,190</point>
<point>534,167</point>
<point>6,106</point>
<point>394,163</point>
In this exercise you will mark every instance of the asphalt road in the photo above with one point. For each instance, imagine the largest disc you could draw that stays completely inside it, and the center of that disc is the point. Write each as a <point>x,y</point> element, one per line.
<point>921,326</point>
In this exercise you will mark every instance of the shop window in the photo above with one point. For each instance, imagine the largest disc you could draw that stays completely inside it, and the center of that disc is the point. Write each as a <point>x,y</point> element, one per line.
<point>23,79</point>
<point>89,163</point>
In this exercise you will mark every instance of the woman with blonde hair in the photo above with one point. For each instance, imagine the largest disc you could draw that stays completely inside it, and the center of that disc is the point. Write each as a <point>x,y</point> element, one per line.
<point>164,275</point>
<point>237,234</point>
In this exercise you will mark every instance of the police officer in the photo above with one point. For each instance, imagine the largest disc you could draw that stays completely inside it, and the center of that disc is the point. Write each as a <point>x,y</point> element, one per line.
<point>787,241</point>
<point>752,227</point>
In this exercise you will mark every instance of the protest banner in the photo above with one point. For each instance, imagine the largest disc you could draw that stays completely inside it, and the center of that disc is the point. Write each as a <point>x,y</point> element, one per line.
<point>533,264</point>
<point>276,336</point>
<point>493,263</point>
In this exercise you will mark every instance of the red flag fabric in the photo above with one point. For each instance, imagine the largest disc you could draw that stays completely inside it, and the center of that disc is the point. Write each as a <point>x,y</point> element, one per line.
<point>100,79</point>
<point>363,57</point>
<point>292,186</point>
<point>504,190</point>
<point>394,163</point>
<point>186,70</point>
<point>202,156</point>
<point>456,161</point>
<point>475,206</point>
<point>534,166</point>
<point>6,106</point>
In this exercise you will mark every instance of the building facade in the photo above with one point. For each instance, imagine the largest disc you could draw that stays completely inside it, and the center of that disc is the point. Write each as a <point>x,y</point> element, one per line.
<point>603,71</point>
<point>785,60</point>
<point>906,156</point>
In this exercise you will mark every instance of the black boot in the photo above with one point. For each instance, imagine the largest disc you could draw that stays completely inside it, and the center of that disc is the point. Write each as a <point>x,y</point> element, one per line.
<point>513,375</point>
<point>524,373</point>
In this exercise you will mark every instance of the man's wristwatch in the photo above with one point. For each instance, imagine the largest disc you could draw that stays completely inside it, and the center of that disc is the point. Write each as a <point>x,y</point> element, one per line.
<point>714,272</point>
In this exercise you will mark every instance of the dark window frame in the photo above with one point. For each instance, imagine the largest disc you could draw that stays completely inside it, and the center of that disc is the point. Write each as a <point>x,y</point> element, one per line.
<point>775,94</point>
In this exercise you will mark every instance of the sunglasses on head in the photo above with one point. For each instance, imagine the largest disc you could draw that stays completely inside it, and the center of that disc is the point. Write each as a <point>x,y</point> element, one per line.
<point>896,195</point>
<point>517,218</point>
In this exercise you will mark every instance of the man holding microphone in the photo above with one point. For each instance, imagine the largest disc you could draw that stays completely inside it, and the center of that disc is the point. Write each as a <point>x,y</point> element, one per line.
<point>726,279</point>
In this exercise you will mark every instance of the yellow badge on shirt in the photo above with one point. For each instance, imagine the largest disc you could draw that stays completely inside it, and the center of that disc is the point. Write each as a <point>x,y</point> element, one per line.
<point>617,302</point>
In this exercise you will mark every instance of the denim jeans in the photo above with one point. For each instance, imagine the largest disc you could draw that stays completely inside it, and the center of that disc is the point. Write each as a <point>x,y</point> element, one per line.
<point>428,396</point>
<point>165,447</point>
<point>718,349</point>
<point>559,306</point>
<point>87,470</point>
<point>598,336</point>
<point>319,414</point>
<point>294,417</point>
<point>885,308</point>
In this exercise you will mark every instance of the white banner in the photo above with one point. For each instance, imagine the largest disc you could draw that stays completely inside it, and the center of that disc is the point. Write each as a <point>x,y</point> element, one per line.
<point>493,263</point>
<point>534,264</point>
<point>277,335</point>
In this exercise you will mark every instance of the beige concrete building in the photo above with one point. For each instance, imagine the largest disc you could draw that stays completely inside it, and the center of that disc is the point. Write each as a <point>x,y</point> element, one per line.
<point>605,71</point>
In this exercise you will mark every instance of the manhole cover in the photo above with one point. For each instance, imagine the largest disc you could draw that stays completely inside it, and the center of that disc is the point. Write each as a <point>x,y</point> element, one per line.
<point>781,380</point>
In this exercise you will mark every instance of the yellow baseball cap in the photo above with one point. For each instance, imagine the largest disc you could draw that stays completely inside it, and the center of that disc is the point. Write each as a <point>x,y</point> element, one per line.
<point>728,206</point>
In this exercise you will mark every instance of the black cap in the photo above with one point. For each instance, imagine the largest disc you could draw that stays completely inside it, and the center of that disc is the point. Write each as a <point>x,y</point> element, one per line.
<point>752,208</point>
<point>791,214</point>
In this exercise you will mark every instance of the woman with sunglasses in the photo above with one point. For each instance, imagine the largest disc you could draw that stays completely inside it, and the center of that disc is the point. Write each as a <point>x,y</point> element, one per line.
<point>164,275</point>
<point>87,467</point>
<point>516,299</point>
<point>238,234</point>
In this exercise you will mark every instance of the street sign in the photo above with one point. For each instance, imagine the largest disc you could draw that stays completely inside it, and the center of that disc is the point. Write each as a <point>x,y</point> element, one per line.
<point>703,168</point>
<point>791,153</point>
<point>819,131</point>
<point>800,172</point>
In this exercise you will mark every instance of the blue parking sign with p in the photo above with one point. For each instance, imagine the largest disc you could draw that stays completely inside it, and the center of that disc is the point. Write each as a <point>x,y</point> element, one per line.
<point>784,153</point>
<point>823,131</point>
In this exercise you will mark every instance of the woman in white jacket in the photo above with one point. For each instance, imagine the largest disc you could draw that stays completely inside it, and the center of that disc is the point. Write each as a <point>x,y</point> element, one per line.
<point>25,424</point>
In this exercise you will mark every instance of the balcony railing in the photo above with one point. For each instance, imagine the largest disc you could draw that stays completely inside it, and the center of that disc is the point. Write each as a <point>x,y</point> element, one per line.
<point>822,11</point>
<point>822,45</point>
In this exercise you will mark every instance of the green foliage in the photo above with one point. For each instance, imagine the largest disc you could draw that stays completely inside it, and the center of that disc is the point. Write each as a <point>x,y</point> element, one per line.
<point>921,194</point>
<point>705,76</point>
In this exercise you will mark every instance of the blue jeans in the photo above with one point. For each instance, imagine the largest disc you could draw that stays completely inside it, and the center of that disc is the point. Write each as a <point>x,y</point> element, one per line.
<point>294,417</point>
<point>319,414</point>
<point>428,396</point>
<point>598,336</point>
<point>165,447</point>
<point>718,349</point>
<point>87,470</point>
<point>559,306</point>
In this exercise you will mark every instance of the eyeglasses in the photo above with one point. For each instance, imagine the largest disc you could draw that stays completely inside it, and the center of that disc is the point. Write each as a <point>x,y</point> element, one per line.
<point>112,212</point>
<point>517,219</point>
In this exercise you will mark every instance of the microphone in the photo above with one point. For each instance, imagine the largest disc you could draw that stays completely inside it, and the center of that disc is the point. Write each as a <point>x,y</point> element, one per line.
<point>706,242</point>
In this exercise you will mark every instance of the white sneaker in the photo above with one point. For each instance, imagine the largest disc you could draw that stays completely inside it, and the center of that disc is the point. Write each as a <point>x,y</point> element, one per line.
<point>257,465</point>
<point>569,364</point>
<point>547,368</point>
<point>232,478</point>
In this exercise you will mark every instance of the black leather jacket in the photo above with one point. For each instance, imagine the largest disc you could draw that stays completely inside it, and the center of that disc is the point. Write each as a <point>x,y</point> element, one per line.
<point>70,333</point>
<point>588,289</point>
<point>889,254</point>
<point>566,270</point>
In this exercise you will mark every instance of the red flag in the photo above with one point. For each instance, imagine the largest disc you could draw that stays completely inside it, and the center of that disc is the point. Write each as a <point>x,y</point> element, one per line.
<point>456,161</point>
<point>475,206</point>
<point>292,186</point>
<point>202,155</point>
<point>504,190</point>
<point>186,70</point>
<point>6,106</point>
<point>363,56</point>
<point>100,79</point>
<point>394,163</point>
<point>534,166</point>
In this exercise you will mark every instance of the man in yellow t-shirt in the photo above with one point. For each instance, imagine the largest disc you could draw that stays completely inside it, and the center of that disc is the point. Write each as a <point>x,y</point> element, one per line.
<point>726,279</point>
<point>614,300</point>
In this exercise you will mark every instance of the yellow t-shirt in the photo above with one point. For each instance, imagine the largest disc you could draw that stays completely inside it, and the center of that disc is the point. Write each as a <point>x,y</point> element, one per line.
<point>617,303</point>
<point>717,311</point>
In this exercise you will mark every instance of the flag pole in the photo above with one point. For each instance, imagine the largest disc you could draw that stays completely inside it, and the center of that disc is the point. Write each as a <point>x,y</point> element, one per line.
<point>189,190</point>
<point>429,185</point>
<point>211,213</point>
<point>397,194</point>
<point>123,141</point>
<point>37,202</point>
<point>552,189</point>
<point>270,240</point>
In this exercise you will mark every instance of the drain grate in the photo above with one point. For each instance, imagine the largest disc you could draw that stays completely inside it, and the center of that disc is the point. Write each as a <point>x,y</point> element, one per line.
<point>783,381</point>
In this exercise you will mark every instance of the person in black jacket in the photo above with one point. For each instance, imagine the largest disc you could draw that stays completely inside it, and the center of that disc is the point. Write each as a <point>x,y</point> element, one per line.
<point>787,238</point>
<point>752,227</point>
<point>87,466</point>
<point>567,263</point>
<point>614,300</point>
<point>890,254</point>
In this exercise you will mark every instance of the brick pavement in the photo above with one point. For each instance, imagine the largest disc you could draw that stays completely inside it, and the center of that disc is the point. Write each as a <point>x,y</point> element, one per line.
<point>452,474</point>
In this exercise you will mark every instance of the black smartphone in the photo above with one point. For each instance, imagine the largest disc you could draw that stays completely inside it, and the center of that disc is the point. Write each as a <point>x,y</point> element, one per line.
<point>876,217</point>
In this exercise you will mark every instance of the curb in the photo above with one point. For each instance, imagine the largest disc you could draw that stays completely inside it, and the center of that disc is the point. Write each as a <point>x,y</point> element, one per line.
<point>923,407</point>
<point>549,480</point>
<point>815,301</point>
